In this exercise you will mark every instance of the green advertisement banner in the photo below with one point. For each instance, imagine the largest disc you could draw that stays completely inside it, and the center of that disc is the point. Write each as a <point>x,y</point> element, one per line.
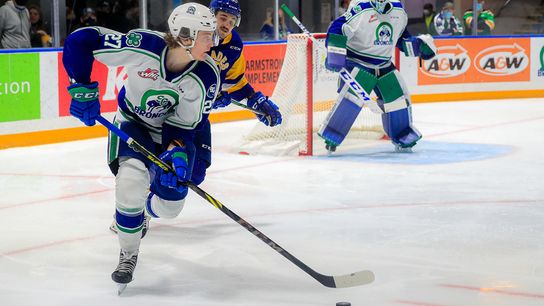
<point>19,86</point>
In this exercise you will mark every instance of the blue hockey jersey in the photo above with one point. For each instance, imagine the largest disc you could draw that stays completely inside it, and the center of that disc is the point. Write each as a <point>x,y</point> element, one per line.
<point>230,60</point>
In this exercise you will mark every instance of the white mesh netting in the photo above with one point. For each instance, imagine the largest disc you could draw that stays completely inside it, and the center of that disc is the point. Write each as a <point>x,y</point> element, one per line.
<point>296,90</point>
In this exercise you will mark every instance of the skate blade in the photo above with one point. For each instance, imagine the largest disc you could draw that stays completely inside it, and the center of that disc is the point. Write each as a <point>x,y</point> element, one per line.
<point>121,288</point>
<point>403,150</point>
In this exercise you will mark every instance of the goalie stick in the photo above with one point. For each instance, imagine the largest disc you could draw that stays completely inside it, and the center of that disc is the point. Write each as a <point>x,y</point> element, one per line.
<point>344,74</point>
<point>340,281</point>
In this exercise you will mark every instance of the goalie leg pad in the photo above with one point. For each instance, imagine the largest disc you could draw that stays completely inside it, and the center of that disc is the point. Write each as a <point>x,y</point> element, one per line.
<point>398,126</point>
<point>339,121</point>
<point>392,92</point>
<point>347,107</point>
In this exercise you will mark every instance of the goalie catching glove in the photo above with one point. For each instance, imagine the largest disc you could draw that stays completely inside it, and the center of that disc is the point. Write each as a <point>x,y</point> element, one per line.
<point>421,45</point>
<point>168,184</point>
<point>85,105</point>
<point>260,102</point>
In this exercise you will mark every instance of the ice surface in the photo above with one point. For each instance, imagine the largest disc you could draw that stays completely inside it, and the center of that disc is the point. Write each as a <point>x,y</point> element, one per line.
<point>458,222</point>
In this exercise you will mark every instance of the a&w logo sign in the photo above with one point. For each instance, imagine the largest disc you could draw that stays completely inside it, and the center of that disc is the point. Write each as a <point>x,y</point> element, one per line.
<point>501,60</point>
<point>450,61</point>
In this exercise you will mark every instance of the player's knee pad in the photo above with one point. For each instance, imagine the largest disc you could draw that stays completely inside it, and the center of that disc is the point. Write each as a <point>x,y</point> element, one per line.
<point>131,185</point>
<point>161,208</point>
<point>339,120</point>
<point>398,126</point>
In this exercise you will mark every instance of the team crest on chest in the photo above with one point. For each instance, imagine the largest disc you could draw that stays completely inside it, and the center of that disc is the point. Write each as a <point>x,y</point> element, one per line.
<point>384,34</point>
<point>157,103</point>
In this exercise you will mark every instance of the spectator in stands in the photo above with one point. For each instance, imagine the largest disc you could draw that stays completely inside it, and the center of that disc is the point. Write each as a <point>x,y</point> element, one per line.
<point>70,19</point>
<point>486,20</point>
<point>87,19</point>
<point>267,30</point>
<point>133,12</point>
<point>344,6</point>
<point>428,16</point>
<point>445,23</point>
<point>103,14</point>
<point>38,34</point>
<point>119,21</point>
<point>14,25</point>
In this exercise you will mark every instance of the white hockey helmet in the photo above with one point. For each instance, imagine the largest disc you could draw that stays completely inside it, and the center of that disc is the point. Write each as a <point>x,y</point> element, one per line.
<point>379,5</point>
<point>188,19</point>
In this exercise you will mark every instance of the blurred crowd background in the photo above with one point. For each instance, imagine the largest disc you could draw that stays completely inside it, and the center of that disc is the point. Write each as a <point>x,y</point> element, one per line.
<point>48,26</point>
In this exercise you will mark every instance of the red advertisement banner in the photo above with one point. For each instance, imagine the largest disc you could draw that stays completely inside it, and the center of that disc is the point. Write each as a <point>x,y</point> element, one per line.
<point>481,60</point>
<point>110,81</point>
<point>263,66</point>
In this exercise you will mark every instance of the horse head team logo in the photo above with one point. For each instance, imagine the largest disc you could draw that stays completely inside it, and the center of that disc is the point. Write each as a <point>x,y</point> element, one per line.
<point>384,34</point>
<point>501,60</point>
<point>211,91</point>
<point>157,103</point>
<point>450,61</point>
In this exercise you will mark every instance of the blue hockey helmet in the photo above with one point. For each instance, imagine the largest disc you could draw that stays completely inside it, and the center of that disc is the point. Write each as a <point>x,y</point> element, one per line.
<point>228,6</point>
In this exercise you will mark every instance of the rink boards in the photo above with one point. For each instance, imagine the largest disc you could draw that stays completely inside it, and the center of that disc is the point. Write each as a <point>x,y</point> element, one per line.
<point>34,103</point>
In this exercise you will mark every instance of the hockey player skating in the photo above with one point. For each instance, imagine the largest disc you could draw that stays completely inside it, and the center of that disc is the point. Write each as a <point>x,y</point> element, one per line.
<point>230,60</point>
<point>234,85</point>
<point>171,85</point>
<point>363,41</point>
<point>228,56</point>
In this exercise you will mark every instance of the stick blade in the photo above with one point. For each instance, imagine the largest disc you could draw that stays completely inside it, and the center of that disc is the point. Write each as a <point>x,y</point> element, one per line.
<point>354,279</point>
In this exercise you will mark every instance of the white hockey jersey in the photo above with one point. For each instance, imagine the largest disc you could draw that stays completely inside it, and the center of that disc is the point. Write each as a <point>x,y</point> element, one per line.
<point>152,96</point>
<point>371,36</point>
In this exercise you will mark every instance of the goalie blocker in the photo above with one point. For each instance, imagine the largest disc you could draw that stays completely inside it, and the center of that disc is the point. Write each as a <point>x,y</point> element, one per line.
<point>392,101</point>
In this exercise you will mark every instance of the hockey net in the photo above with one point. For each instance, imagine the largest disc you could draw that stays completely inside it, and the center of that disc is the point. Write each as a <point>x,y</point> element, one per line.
<point>305,93</point>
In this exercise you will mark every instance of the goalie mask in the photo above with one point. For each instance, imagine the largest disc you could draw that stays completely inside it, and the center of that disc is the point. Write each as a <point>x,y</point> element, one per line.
<point>379,5</point>
<point>228,6</point>
<point>190,18</point>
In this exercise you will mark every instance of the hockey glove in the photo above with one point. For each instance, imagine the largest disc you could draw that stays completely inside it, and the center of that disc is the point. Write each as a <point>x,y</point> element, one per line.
<point>85,105</point>
<point>260,102</point>
<point>421,45</point>
<point>336,52</point>
<point>222,101</point>
<point>166,184</point>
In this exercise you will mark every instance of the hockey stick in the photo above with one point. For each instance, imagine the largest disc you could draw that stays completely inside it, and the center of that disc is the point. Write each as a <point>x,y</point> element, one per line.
<point>340,281</point>
<point>242,105</point>
<point>344,74</point>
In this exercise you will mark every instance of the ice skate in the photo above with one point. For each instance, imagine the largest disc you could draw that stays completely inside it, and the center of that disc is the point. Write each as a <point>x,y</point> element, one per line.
<point>125,269</point>
<point>330,146</point>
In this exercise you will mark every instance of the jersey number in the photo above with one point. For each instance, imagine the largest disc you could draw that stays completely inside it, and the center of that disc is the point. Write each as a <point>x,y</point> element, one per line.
<point>112,40</point>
